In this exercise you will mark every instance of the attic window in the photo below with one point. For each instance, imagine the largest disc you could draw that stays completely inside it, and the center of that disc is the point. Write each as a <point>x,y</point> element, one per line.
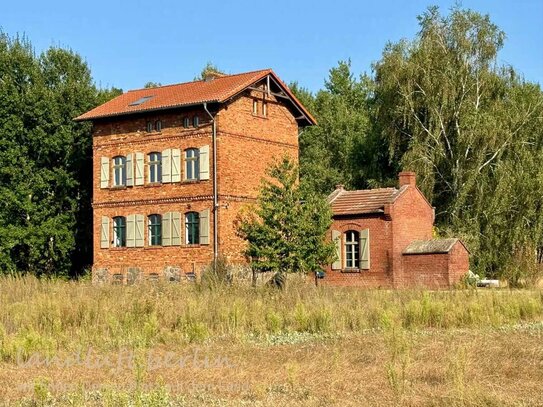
<point>140,101</point>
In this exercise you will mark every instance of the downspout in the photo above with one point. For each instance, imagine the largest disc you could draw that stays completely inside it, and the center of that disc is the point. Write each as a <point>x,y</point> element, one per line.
<point>215,189</point>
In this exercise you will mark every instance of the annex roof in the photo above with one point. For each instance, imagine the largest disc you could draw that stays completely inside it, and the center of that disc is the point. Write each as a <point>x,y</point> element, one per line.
<point>217,90</point>
<point>431,246</point>
<point>363,201</point>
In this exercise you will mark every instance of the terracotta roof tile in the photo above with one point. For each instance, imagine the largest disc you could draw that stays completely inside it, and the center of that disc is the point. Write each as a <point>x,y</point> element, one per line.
<point>362,201</point>
<point>183,94</point>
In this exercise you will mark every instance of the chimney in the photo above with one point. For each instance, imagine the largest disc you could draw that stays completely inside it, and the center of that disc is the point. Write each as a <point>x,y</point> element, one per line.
<point>211,75</point>
<point>407,178</point>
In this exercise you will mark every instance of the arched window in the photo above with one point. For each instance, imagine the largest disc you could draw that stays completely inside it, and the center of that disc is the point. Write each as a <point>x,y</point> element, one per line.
<point>195,121</point>
<point>186,122</point>
<point>119,170</point>
<point>192,228</point>
<point>155,230</point>
<point>119,231</point>
<point>155,167</point>
<point>149,127</point>
<point>192,163</point>
<point>158,125</point>
<point>352,249</point>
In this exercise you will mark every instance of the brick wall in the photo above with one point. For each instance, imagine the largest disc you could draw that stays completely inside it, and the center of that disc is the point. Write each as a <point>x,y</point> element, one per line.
<point>246,145</point>
<point>426,270</point>
<point>380,271</point>
<point>459,263</point>
<point>412,219</point>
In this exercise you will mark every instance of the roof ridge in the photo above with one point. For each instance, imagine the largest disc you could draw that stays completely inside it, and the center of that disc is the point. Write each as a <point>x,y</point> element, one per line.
<point>373,189</point>
<point>199,80</point>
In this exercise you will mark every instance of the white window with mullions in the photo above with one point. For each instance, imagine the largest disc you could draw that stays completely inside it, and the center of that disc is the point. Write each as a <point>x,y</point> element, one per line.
<point>155,167</point>
<point>192,164</point>
<point>119,171</point>
<point>352,249</point>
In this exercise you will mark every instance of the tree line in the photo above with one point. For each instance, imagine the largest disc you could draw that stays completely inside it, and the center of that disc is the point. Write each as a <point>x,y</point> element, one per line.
<point>439,104</point>
<point>442,106</point>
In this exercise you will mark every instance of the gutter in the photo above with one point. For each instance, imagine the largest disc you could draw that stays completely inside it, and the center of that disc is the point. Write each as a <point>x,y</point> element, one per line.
<point>215,189</point>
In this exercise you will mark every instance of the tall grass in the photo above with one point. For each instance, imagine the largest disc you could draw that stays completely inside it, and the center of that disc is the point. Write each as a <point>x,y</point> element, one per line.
<point>47,315</point>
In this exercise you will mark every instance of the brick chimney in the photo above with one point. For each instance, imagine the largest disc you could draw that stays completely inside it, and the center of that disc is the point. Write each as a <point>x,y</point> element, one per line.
<point>407,178</point>
<point>212,75</point>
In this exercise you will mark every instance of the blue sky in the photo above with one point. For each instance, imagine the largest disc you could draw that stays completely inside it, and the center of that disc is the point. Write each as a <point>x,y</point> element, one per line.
<point>128,43</point>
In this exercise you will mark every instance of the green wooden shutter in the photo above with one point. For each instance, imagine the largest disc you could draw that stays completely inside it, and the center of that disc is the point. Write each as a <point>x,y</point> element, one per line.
<point>176,165</point>
<point>336,238</point>
<point>104,233</point>
<point>131,231</point>
<point>167,165</point>
<point>167,229</point>
<point>204,162</point>
<point>365,249</point>
<point>129,170</point>
<point>104,172</point>
<point>176,228</point>
<point>140,227</point>
<point>140,163</point>
<point>204,226</point>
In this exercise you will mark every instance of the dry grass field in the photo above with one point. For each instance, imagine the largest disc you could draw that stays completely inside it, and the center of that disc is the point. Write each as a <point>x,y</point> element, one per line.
<point>72,343</point>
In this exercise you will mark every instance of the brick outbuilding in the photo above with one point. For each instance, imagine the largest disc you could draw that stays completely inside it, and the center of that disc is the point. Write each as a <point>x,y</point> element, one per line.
<point>384,239</point>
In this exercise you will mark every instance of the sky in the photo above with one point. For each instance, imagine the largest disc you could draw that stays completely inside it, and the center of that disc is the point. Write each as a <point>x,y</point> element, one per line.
<point>129,43</point>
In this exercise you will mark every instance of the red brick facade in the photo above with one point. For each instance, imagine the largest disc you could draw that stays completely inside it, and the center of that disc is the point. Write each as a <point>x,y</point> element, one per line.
<point>387,222</point>
<point>253,128</point>
<point>252,119</point>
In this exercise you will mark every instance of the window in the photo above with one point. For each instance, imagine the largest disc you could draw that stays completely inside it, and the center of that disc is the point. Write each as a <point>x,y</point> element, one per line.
<point>158,125</point>
<point>264,108</point>
<point>155,230</point>
<point>352,249</point>
<point>186,122</point>
<point>255,106</point>
<point>155,167</point>
<point>119,231</point>
<point>192,163</point>
<point>149,127</point>
<point>119,171</point>
<point>195,121</point>
<point>192,225</point>
<point>140,101</point>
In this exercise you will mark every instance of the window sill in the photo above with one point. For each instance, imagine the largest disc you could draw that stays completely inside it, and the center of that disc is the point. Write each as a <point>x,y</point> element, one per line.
<point>259,116</point>
<point>115,187</point>
<point>351,270</point>
<point>152,184</point>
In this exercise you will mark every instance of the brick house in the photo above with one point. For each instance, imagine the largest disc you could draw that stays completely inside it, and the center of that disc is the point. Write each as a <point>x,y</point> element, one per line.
<point>173,165</point>
<point>384,239</point>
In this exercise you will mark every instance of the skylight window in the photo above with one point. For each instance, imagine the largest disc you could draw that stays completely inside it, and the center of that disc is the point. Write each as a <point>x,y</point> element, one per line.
<point>140,101</point>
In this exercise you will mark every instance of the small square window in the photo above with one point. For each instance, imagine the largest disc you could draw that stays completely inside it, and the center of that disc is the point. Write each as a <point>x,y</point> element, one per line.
<point>186,122</point>
<point>195,121</point>
<point>158,125</point>
<point>149,127</point>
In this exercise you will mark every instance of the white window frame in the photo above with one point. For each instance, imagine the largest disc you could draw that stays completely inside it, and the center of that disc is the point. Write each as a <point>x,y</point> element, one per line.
<point>155,162</point>
<point>352,241</point>
<point>119,171</point>
<point>192,164</point>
